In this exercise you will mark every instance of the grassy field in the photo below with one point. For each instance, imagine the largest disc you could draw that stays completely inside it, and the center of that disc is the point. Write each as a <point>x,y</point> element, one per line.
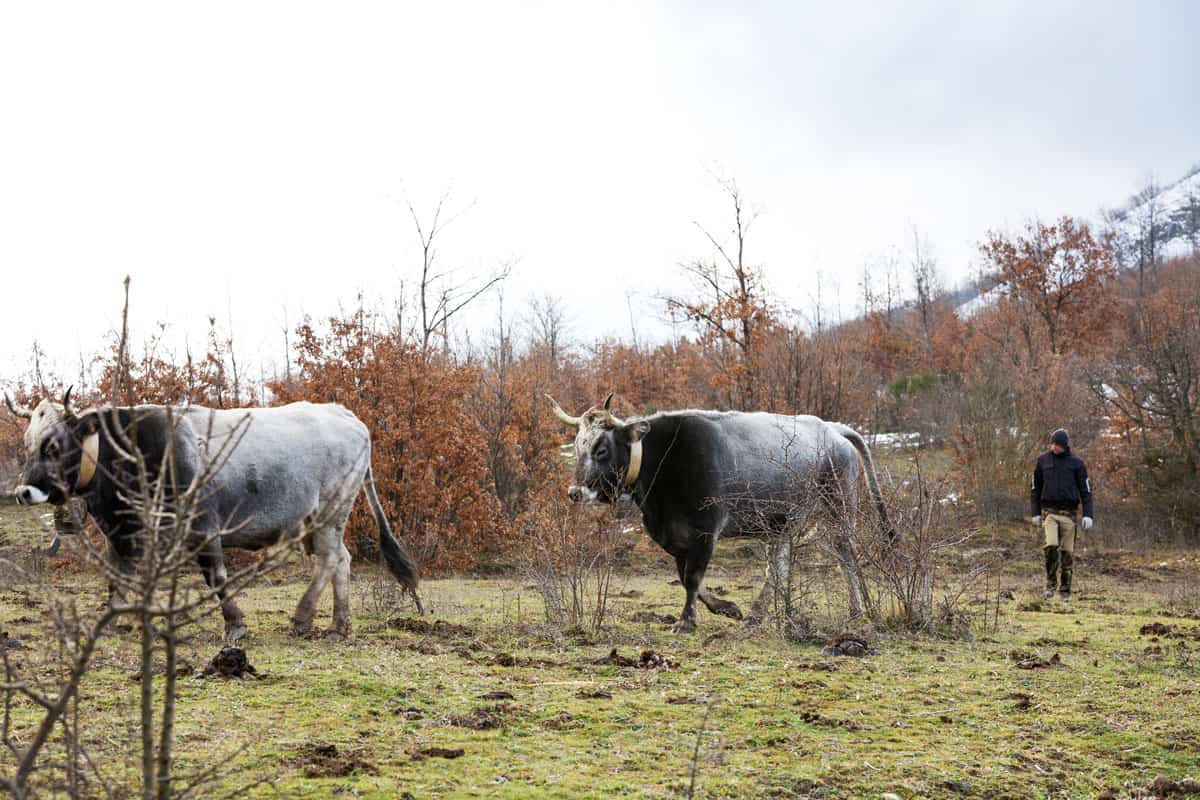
<point>926,717</point>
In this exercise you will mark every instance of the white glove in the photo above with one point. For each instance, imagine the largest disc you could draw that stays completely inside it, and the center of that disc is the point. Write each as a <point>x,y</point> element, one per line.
<point>1087,523</point>
<point>1036,520</point>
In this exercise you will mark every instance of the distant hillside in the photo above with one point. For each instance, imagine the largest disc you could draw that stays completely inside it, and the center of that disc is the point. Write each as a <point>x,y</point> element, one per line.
<point>1158,222</point>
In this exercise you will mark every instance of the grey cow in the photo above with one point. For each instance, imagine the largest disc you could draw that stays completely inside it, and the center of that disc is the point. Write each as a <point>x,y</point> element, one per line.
<point>291,472</point>
<point>699,475</point>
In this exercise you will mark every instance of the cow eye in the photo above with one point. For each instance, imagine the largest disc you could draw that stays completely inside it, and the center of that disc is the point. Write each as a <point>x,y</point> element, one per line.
<point>51,449</point>
<point>601,453</point>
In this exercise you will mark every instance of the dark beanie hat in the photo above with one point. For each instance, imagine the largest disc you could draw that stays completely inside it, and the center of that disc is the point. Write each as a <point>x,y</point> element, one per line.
<point>1059,437</point>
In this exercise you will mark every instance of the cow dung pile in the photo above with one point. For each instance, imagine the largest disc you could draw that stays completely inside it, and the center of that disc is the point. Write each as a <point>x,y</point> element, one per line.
<point>848,644</point>
<point>231,662</point>
<point>648,660</point>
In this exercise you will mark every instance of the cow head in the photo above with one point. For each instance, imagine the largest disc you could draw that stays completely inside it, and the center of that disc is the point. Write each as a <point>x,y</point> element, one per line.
<point>608,453</point>
<point>60,449</point>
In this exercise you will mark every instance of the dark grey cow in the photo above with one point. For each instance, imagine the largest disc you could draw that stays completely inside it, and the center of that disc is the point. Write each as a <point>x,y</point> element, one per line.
<point>698,475</point>
<point>291,472</point>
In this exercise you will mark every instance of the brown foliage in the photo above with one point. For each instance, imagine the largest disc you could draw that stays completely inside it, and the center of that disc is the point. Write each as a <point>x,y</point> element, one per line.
<point>428,448</point>
<point>1056,277</point>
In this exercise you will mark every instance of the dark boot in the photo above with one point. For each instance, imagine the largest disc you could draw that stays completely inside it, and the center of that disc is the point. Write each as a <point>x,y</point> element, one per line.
<point>1064,585</point>
<point>1051,571</point>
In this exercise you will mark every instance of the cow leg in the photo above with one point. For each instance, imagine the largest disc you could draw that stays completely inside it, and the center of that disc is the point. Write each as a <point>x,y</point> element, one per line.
<point>122,556</point>
<point>325,562</point>
<point>341,595</point>
<point>717,605</point>
<point>844,507</point>
<point>779,569</point>
<point>211,558</point>
<point>848,560</point>
<point>694,565</point>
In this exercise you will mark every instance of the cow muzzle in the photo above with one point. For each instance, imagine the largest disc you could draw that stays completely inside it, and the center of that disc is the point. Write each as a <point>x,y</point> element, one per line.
<point>582,494</point>
<point>30,496</point>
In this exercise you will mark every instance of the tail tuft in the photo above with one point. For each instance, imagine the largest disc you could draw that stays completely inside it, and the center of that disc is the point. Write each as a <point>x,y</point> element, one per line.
<point>399,562</point>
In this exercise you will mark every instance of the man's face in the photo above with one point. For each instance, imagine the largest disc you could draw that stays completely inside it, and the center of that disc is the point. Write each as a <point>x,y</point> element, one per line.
<point>1056,448</point>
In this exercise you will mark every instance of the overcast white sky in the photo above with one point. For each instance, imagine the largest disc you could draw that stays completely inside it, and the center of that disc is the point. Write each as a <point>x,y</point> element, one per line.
<point>245,157</point>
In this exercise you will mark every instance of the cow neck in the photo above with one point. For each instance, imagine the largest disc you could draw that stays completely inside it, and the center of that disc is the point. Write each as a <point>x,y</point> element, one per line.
<point>89,455</point>
<point>635,464</point>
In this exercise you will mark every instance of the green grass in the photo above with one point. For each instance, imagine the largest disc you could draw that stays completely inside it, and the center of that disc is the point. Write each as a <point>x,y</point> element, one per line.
<point>926,718</point>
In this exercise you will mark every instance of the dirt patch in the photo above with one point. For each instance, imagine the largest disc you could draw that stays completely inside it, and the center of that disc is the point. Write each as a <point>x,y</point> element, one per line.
<point>648,660</point>
<point>561,721</point>
<point>509,660</point>
<point>231,662</point>
<point>427,648</point>
<point>820,720</point>
<point>848,644</point>
<point>631,594</point>
<point>1110,564</point>
<point>439,628</point>
<point>8,643</point>
<point>410,713</point>
<point>324,760</point>
<point>1157,628</point>
<point>1021,700</point>
<point>499,694</point>
<point>685,700</point>
<point>484,718</point>
<point>593,694</point>
<point>818,666</point>
<point>652,617</point>
<point>1162,786</point>
<point>437,752</point>
<point>1038,662</point>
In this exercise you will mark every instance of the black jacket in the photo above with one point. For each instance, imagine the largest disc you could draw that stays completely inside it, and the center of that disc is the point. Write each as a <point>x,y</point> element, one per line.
<point>1060,482</point>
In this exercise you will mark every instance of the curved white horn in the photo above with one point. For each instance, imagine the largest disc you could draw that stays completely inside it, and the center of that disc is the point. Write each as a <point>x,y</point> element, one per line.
<point>18,411</point>
<point>564,416</point>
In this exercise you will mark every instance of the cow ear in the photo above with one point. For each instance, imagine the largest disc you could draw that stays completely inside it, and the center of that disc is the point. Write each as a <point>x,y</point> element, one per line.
<point>636,430</point>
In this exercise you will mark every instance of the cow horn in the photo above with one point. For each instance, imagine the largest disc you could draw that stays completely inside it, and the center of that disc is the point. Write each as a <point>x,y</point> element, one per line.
<point>68,412</point>
<point>609,419</point>
<point>18,411</point>
<point>564,416</point>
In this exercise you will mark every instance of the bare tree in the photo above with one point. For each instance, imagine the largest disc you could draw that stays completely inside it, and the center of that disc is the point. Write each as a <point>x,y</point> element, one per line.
<point>439,296</point>
<point>730,308</point>
<point>926,288</point>
<point>157,592</point>
<point>547,322</point>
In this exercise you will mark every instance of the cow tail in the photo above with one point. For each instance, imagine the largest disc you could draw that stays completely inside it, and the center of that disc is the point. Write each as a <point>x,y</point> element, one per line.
<point>860,445</point>
<point>398,560</point>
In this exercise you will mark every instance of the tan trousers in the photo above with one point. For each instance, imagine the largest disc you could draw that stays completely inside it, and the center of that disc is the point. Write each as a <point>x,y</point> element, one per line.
<point>1060,532</point>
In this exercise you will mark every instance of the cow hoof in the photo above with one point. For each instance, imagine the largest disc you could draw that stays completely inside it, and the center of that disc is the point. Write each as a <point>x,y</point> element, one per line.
<point>684,626</point>
<point>235,633</point>
<point>301,630</point>
<point>729,609</point>
<point>333,635</point>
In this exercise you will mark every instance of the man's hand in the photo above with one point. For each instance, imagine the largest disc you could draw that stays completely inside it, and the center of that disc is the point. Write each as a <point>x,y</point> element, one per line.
<point>1087,523</point>
<point>1037,521</point>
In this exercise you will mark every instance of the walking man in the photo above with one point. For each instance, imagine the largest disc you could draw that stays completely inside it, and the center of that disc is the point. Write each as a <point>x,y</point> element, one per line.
<point>1060,484</point>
